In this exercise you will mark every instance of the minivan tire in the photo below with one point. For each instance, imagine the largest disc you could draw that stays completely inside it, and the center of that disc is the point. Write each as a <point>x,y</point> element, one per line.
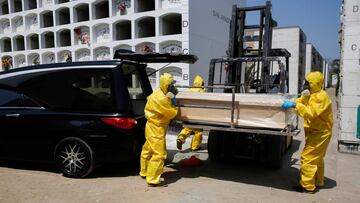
<point>74,157</point>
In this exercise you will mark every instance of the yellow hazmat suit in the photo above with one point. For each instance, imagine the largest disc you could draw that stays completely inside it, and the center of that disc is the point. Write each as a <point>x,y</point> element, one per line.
<point>318,121</point>
<point>186,132</point>
<point>159,111</point>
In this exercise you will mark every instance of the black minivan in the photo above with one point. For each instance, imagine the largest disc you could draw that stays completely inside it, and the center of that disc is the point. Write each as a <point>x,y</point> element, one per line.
<point>77,115</point>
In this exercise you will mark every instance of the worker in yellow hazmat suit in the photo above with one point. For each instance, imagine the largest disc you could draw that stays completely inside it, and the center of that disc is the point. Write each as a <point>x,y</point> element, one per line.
<point>159,111</point>
<point>186,132</point>
<point>315,107</point>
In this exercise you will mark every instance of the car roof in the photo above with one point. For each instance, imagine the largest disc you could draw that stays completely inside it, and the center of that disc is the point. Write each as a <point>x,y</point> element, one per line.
<point>80,64</point>
<point>16,76</point>
<point>155,57</point>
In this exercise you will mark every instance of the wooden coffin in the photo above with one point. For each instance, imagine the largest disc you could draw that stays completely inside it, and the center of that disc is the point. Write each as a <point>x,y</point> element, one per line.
<point>250,110</point>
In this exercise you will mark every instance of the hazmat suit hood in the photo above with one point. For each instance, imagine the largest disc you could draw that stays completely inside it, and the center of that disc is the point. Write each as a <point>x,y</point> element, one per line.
<point>198,81</point>
<point>316,81</point>
<point>165,81</point>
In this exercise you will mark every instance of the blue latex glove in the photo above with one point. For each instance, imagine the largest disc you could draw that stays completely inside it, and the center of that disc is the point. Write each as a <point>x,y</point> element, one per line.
<point>288,104</point>
<point>173,101</point>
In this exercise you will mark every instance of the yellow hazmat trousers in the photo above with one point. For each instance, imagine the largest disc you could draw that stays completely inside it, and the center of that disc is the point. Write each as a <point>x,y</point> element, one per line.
<point>318,121</point>
<point>186,132</point>
<point>159,111</point>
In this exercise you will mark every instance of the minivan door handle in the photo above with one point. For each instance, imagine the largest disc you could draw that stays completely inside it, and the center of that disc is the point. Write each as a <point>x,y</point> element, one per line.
<point>12,115</point>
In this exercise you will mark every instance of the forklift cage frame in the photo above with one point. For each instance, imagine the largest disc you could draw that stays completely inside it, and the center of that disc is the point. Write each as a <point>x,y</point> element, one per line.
<point>277,55</point>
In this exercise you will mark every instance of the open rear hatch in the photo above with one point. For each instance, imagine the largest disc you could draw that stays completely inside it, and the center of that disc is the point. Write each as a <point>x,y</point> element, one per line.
<point>154,57</point>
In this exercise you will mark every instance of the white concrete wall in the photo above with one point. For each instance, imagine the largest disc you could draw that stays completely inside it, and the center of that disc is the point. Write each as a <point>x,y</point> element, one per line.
<point>326,74</point>
<point>350,71</point>
<point>314,60</point>
<point>289,38</point>
<point>102,34</point>
<point>215,35</point>
<point>308,58</point>
<point>209,22</point>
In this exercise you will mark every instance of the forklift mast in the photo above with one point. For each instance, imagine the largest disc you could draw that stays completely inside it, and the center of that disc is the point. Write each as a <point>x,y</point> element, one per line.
<point>262,56</point>
<point>238,27</point>
<point>237,37</point>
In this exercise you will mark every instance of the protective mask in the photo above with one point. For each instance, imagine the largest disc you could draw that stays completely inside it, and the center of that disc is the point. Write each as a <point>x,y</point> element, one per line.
<point>305,91</point>
<point>173,89</point>
<point>170,95</point>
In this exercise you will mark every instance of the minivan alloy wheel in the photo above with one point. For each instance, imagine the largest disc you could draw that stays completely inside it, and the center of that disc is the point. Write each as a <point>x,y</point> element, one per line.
<point>74,157</point>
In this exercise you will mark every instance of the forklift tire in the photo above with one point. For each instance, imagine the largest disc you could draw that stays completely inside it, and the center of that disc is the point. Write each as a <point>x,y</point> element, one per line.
<point>275,151</point>
<point>215,144</point>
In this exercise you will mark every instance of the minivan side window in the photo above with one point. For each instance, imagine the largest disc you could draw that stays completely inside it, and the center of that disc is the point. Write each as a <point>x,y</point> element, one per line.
<point>9,98</point>
<point>74,90</point>
<point>27,102</point>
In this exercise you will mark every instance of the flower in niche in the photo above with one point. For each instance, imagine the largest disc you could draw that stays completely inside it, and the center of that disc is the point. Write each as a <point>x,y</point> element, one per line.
<point>85,38</point>
<point>51,58</point>
<point>34,20</point>
<point>77,31</point>
<point>18,23</point>
<point>7,63</point>
<point>146,49</point>
<point>21,61</point>
<point>122,6</point>
<point>5,25</point>
<point>36,60</point>
<point>67,57</point>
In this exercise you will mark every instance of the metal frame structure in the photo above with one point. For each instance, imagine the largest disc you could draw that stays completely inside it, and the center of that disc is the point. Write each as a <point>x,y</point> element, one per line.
<point>284,132</point>
<point>280,56</point>
<point>262,56</point>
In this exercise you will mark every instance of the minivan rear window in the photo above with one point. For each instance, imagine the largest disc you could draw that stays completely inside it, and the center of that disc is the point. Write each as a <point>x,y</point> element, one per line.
<point>135,87</point>
<point>74,90</point>
<point>133,82</point>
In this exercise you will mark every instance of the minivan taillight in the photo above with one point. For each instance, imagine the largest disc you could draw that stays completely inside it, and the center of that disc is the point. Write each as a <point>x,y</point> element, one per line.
<point>123,123</point>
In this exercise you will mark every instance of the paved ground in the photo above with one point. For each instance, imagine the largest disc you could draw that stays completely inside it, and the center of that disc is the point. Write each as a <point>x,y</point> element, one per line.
<point>227,182</point>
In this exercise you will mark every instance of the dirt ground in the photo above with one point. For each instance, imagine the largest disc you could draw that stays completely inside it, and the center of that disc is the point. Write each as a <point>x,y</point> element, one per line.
<point>227,182</point>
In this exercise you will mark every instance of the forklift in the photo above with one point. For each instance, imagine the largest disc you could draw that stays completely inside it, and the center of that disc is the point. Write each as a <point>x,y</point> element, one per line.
<point>250,69</point>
